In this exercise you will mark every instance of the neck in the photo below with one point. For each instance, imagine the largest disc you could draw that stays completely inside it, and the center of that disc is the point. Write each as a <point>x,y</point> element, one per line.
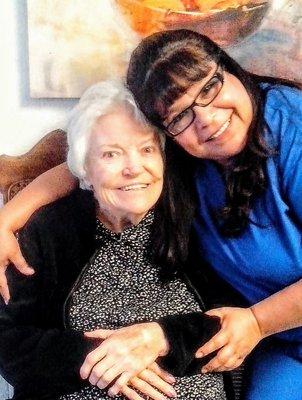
<point>118,223</point>
<point>224,162</point>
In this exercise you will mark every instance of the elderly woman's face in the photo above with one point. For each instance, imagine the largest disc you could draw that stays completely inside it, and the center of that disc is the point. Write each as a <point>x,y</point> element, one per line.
<point>124,165</point>
<point>219,130</point>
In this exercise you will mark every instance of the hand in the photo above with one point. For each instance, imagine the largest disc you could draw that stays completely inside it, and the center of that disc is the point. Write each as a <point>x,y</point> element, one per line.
<point>10,252</point>
<point>123,354</point>
<point>238,336</point>
<point>147,382</point>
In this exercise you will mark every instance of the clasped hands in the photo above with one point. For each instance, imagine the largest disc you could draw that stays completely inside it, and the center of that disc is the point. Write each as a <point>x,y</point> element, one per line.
<point>127,357</point>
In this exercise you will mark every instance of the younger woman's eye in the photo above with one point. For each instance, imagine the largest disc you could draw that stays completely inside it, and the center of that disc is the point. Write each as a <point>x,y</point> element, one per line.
<point>179,117</point>
<point>211,85</point>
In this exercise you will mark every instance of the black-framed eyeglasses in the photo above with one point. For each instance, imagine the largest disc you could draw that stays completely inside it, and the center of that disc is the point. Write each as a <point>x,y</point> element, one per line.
<point>207,94</point>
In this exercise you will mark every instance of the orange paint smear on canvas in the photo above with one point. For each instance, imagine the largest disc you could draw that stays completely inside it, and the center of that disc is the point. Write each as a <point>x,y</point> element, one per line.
<point>194,5</point>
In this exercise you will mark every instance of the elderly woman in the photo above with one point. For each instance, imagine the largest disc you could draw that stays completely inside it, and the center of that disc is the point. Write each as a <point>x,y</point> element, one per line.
<point>244,132</point>
<point>96,271</point>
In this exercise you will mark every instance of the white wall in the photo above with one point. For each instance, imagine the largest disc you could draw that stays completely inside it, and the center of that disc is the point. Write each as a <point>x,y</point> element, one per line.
<point>23,121</point>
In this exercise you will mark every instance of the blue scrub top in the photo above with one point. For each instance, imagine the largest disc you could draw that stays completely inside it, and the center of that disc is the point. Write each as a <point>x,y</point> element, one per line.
<point>268,258</point>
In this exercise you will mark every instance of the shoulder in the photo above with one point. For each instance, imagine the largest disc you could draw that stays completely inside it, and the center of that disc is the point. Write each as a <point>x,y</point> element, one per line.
<point>61,215</point>
<point>283,97</point>
<point>283,117</point>
<point>282,114</point>
<point>282,104</point>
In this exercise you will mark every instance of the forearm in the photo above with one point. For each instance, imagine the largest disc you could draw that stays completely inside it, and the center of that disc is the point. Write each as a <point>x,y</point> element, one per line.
<point>281,311</point>
<point>185,334</point>
<point>46,188</point>
<point>47,360</point>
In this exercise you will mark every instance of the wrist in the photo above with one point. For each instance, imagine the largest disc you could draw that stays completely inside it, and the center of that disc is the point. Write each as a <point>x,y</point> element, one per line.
<point>5,223</point>
<point>259,321</point>
<point>154,332</point>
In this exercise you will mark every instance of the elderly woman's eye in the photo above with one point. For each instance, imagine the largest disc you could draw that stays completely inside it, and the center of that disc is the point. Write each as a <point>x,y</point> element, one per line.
<point>149,149</point>
<point>109,154</point>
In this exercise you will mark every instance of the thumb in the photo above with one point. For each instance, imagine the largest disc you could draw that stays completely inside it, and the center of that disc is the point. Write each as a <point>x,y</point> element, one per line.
<point>99,333</point>
<point>215,312</point>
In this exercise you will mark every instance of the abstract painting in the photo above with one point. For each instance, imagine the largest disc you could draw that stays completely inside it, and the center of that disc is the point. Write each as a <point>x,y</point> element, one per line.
<point>73,44</point>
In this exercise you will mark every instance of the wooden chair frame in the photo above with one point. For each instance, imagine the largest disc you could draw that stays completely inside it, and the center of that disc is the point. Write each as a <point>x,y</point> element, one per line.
<point>17,171</point>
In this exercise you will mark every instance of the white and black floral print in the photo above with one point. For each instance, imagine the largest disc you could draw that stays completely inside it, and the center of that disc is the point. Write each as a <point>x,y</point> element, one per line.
<point>121,286</point>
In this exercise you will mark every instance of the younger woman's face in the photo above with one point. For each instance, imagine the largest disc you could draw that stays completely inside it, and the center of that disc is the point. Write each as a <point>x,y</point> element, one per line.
<point>219,130</point>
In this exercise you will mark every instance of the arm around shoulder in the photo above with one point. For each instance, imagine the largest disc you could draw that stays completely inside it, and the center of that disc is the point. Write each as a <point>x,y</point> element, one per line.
<point>48,187</point>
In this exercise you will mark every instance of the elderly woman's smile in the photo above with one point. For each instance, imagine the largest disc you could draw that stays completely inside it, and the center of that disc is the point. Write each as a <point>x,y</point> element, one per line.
<point>136,186</point>
<point>124,166</point>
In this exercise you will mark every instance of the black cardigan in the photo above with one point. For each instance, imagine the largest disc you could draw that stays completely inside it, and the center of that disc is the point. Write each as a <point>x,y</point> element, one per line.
<point>39,356</point>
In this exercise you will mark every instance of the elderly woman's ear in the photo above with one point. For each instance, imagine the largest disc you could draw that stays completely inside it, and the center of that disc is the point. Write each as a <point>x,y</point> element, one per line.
<point>84,180</point>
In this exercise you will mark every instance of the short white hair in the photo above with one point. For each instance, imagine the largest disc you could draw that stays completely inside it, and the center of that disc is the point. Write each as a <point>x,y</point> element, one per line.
<point>98,100</point>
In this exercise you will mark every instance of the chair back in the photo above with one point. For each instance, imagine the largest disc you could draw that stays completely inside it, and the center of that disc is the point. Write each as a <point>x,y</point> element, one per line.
<point>17,171</point>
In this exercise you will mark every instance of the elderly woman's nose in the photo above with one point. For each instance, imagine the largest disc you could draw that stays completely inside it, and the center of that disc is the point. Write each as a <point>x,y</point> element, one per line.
<point>133,166</point>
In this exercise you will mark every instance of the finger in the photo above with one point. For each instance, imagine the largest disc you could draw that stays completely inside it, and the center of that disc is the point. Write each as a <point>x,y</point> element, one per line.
<point>162,373</point>
<point>4,291</point>
<point>109,375</point>
<point>230,365</point>
<point>99,333</point>
<point>224,360</point>
<point>158,383</point>
<point>146,389</point>
<point>122,381</point>
<point>229,356</point>
<point>129,393</point>
<point>99,370</point>
<point>215,364</point>
<point>225,354</point>
<point>216,343</point>
<point>21,265</point>
<point>234,363</point>
<point>211,366</point>
<point>91,359</point>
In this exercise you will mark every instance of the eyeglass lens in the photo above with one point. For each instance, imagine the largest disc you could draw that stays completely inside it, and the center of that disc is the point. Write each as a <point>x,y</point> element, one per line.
<point>207,94</point>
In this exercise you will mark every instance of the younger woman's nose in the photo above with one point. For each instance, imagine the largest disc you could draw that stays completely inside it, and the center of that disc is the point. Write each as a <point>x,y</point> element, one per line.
<point>204,116</point>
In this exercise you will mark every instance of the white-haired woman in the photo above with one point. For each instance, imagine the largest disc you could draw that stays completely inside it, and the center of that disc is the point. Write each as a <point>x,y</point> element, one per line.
<point>103,261</point>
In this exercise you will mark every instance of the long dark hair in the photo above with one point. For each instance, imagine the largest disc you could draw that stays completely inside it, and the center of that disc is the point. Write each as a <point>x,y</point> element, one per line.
<point>174,212</point>
<point>186,55</point>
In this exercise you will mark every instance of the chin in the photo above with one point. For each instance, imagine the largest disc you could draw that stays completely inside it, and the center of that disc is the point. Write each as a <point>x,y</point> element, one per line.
<point>138,209</point>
